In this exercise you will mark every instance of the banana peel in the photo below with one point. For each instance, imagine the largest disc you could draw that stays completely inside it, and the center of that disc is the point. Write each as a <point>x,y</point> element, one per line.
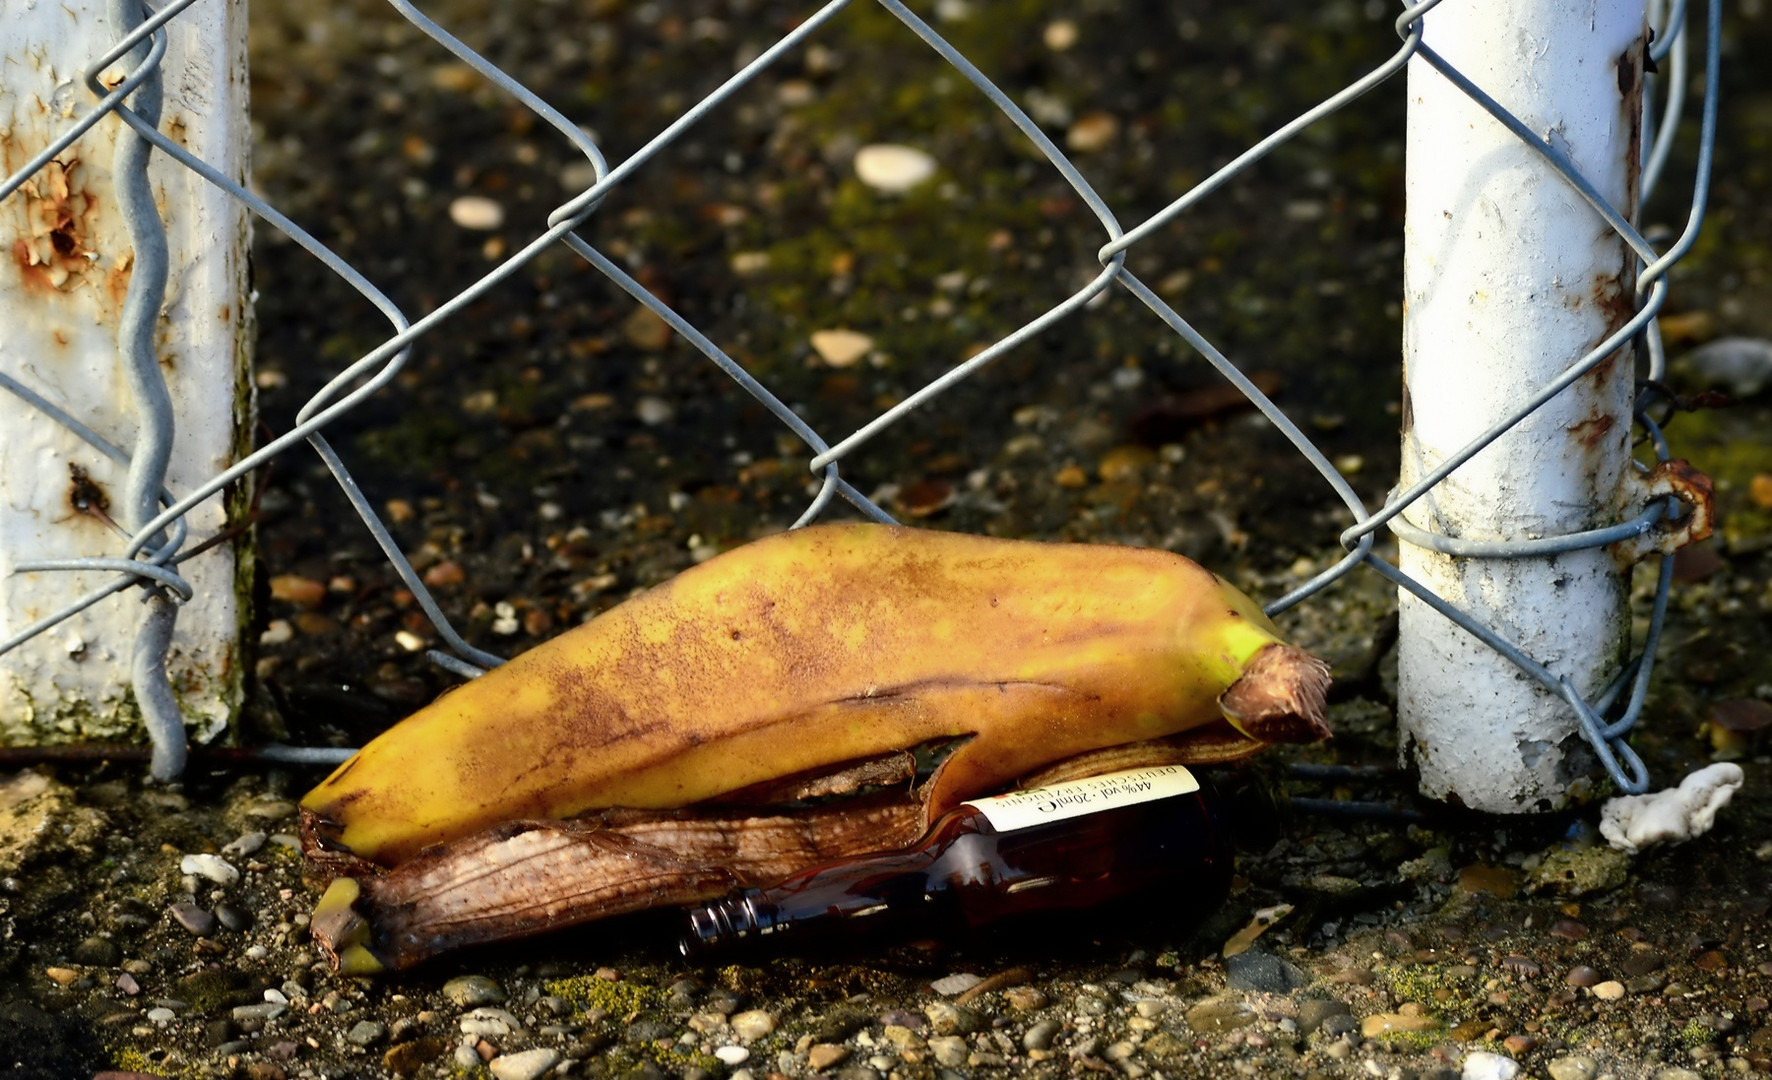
<point>799,655</point>
<point>523,878</point>
<point>822,646</point>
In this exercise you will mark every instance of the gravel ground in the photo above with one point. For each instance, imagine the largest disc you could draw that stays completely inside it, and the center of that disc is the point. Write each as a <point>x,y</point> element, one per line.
<point>551,452</point>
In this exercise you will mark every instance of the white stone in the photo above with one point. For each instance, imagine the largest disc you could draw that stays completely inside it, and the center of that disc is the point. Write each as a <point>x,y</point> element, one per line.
<point>490,1023</point>
<point>525,1065</point>
<point>733,1055</point>
<point>1483,1065</point>
<point>245,844</point>
<point>212,867</point>
<point>1742,366</point>
<point>840,348</point>
<point>949,1050</point>
<point>1060,34</point>
<point>653,411</point>
<point>957,983</point>
<point>891,168</point>
<point>1573,1067</point>
<point>1633,822</point>
<point>1092,132</point>
<point>752,1024</point>
<point>476,212</point>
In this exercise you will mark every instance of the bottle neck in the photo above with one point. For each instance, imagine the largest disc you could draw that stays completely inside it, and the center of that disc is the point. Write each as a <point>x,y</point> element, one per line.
<point>879,888</point>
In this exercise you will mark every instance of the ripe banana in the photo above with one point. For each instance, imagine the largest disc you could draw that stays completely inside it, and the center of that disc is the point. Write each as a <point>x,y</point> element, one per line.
<point>821,646</point>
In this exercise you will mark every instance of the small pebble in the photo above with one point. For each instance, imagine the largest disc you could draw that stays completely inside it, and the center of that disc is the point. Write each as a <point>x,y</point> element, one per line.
<point>1040,1035</point>
<point>1521,966</point>
<point>733,1055</point>
<point>468,991</point>
<point>752,1024</point>
<point>476,212</point>
<point>824,1055</point>
<point>1259,970</point>
<point>840,348</point>
<point>1218,1015</point>
<point>1610,990</point>
<point>488,1022</point>
<point>903,1037</point>
<point>366,1033</point>
<point>126,983</point>
<point>1060,34</point>
<point>193,918</point>
<point>949,1019</point>
<point>212,867</point>
<point>527,1065</point>
<point>232,918</point>
<point>1382,1024</point>
<point>653,411</point>
<point>893,169</point>
<point>1483,1065</point>
<point>1312,1012</point>
<point>949,1050</point>
<point>245,844</point>
<point>161,1015</point>
<point>1742,366</point>
<point>1573,1067</point>
<point>1582,976</point>
<point>268,1010</point>
<point>957,983</point>
<point>97,951</point>
<point>298,590</point>
<point>1091,132</point>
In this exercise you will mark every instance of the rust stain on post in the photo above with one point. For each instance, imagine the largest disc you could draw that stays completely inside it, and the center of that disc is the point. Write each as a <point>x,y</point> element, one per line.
<point>1592,431</point>
<point>54,249</point>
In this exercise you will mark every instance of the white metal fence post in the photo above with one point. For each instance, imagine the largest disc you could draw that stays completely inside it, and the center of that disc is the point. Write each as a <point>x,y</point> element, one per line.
<point>1509,278</point>
<point>78,273</point>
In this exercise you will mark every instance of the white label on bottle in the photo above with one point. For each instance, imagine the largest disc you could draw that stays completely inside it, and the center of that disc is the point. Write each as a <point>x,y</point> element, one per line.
<point>1092,794</point>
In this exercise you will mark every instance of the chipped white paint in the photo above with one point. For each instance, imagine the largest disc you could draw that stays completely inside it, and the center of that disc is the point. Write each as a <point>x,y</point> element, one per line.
<point>64,267</point>
<point>1509,278</point>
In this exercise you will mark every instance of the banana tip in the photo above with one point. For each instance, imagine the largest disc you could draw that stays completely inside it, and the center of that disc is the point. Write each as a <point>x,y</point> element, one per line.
<point>1281,697</point>
<point>340,929</point>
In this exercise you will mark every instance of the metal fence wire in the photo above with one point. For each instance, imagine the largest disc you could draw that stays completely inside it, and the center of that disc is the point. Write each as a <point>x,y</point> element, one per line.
<point>154,517</point>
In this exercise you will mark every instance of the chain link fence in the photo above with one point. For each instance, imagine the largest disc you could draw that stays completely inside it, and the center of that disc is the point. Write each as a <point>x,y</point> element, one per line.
<point>154,528</point>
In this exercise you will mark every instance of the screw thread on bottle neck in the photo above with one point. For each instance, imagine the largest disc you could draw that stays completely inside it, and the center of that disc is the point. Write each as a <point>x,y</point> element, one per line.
<point>723,923</point>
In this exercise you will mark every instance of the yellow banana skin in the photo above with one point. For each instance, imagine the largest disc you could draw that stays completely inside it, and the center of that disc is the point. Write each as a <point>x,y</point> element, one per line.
<point>804,650</point>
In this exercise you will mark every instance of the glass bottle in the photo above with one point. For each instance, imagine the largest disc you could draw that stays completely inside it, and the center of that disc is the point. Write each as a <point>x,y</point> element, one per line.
<point>1042,851</point>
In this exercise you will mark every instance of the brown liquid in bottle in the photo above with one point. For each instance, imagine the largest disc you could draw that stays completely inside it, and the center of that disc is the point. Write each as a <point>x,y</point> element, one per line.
<point>1071,847</point>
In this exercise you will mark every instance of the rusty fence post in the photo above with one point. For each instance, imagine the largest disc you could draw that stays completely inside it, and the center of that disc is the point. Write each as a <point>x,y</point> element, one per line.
<point>1510,278</point>
<point>125,349</point>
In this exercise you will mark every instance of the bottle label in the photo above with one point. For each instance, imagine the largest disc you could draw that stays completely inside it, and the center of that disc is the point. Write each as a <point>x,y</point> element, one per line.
<point>1090,795</point>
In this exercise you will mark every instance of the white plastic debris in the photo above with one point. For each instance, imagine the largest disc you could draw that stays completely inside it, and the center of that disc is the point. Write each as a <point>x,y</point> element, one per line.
<point>1633,822</point>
